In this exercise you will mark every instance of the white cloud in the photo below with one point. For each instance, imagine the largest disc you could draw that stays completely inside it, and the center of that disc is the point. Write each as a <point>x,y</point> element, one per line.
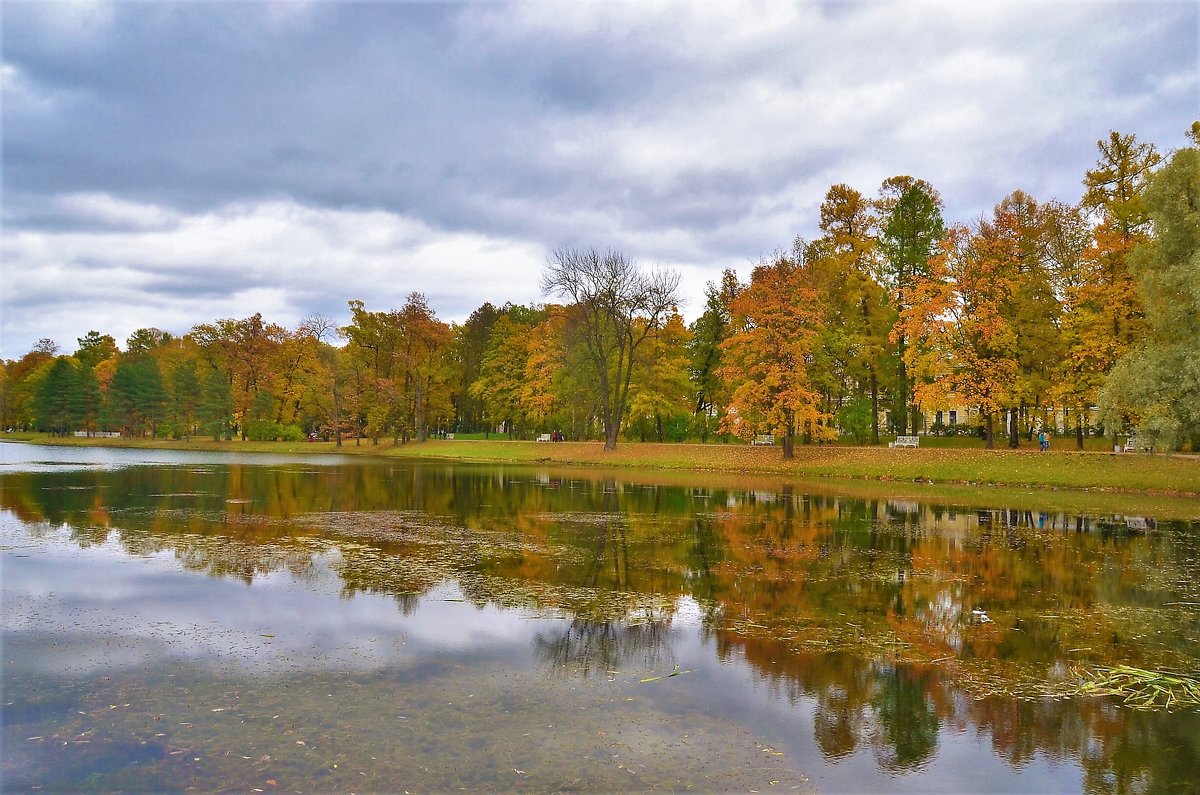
<point>105,209</point>
<point>170,270</point>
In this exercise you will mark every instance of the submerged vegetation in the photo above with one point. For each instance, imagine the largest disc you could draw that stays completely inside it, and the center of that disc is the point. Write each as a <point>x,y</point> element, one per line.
<point>1142,689</point>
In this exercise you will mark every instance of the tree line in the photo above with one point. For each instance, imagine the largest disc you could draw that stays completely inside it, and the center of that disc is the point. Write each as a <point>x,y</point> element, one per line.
<point>1040,314</point>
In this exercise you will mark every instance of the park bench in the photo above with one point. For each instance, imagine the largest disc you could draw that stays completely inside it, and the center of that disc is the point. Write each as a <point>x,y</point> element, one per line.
<point>906,441</point>
<point>545,437</point>
<point>1135,445</point>
<point>763,439</point>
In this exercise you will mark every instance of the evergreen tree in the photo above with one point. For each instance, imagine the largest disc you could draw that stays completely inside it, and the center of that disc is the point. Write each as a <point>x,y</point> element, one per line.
<point>53,401</point>
<point>216,404</point>
<point>185,396</point>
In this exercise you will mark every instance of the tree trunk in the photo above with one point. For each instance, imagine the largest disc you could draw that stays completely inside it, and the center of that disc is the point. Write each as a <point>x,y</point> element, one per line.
<point>1079,430</point>
<point>987,419</point>
<point>902,425</point>
<point>874,408</point>
<point>422,424</point>
<point>789,445</point>
<point>1014,429</point>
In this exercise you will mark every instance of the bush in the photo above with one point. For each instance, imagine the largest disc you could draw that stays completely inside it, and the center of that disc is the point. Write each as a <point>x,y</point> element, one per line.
<point>854,419</point>
<point>267,431</point>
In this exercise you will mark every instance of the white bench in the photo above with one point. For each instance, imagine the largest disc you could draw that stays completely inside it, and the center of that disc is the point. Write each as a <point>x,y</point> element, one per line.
<point>906,441</point>
<point>545,437</point>
<point>763,439</point>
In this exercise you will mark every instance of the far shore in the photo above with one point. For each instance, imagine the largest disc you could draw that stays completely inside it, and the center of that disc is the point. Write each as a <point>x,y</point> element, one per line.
<point>1118,473</point>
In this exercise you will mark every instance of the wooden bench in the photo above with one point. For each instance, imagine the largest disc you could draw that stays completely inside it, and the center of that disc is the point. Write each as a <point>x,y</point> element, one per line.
<point>1134,445</point>
<point>906,441</point>
<point>763,439</point>
<point>545,437</point>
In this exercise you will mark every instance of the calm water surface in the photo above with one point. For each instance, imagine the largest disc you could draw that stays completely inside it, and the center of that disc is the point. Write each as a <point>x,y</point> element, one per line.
<point>177,621</point>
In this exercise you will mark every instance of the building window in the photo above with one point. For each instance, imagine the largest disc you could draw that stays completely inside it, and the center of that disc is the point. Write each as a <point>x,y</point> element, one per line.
<point>953,417</point>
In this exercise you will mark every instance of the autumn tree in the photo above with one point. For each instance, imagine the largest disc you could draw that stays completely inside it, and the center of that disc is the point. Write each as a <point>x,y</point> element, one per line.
<point>616,306</point>
<point>467,353</point>
<point>501,385</point>
<point>661,391</point>
<point>1017,235</point>
<point>1158,380</point>
<point>1084,360</point>
<point>910,227</point>
<point>426,365</point>
<point>775,320</point>
<point>853,340</point>
<point>404,380</point>
<point>243,349</point>
<point>1116,184</point>
<point>962,342</point>
<point>23,378</point>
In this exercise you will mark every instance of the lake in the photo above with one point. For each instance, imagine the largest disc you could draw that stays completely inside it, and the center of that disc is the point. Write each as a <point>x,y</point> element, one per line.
<point>177,621</point>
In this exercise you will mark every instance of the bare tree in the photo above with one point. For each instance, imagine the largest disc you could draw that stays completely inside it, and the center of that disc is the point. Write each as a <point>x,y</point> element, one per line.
<point>616,306</point>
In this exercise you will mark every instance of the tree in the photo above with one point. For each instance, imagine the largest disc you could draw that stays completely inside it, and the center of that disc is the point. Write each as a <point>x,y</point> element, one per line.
<point>911,227</point>
<point>86,400</point>
<point>963,343</point>
<point>185,396</point>
<point>854,332</point>
<point>1116,184</point>
<point>617,306</point>
<point>1017,235</point>
<point>767,357</point>
<point>468,351</point>
<point>426,365</point>
<point>137,398</point>
<point>1082,366</point>
<point>661,389</point>
<point>94,348</point>
<point>1158,380</point>
<point>144,340</point>
<point>53,401</point>
<point>704,354</point>
<point>500,387</point>
<point>244,349</point>
<point>216,404</point>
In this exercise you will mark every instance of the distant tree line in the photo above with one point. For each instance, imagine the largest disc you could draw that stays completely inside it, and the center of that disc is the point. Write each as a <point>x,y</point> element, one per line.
<point>1038,310</point>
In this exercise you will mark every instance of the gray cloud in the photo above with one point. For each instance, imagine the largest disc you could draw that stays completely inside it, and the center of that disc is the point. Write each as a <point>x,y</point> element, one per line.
<point>152,137</point>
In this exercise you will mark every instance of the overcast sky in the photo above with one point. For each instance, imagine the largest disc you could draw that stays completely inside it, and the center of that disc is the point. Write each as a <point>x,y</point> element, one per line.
<point>167,164</point>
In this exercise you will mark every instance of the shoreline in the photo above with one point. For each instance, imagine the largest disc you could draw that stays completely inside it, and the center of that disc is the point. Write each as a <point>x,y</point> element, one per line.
<point>1141,474</point>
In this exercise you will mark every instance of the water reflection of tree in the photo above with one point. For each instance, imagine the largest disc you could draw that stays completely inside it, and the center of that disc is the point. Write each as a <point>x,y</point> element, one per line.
<point>594,648</point>
<point>908,726</point>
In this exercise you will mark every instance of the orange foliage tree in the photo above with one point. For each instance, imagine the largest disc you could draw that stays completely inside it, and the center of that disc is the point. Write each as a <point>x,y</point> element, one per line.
<point>766,363</point>
<point>962,341</point>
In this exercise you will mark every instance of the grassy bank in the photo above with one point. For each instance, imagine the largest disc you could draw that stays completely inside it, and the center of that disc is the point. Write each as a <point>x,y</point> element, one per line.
<point>1120,473</point>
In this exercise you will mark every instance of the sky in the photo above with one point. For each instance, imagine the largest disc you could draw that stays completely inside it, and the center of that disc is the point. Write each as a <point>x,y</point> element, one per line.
<point>168,164</point>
